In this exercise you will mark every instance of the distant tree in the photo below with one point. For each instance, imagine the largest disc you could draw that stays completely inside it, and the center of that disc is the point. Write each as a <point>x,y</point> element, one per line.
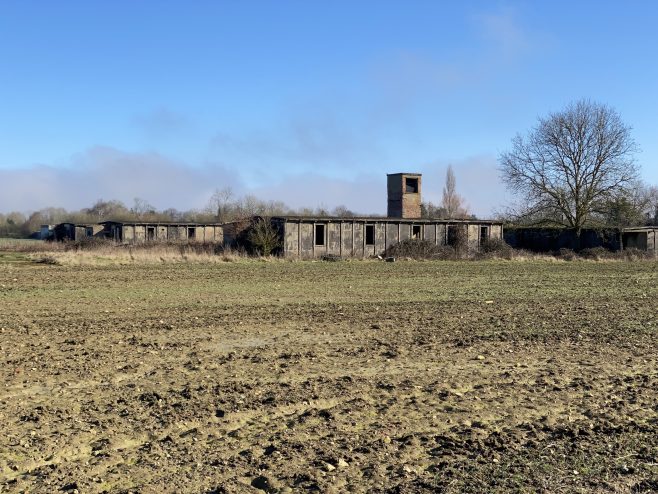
<point>321,211</point>
<point>571,164</point>
<point>451,202</point>
<point>105,210</point>
<point>173,214</point>
<point>274,208</point>
<point>430,210</point>
<point>306,211</point>
<point>219,204</point>
<point>635,206</point>
<point>652,207</point>
<point>14,225</point>
<point>34,222</point>
<point>142,209</point>
<point>342,212</point>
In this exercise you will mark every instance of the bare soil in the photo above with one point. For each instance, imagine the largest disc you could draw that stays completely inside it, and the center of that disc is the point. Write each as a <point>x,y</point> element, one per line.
<point>329,377</point>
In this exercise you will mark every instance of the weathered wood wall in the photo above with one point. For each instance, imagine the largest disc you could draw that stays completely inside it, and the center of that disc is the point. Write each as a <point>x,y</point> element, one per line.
<point>347,238</point>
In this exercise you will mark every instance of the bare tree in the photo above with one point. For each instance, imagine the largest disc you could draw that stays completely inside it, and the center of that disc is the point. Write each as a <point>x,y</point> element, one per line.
<point>264,237</point>
<point>219,204</point>
<point>571,164</point>
<point>451,202</point>
<point>104,210</point>
<point>342,211</point>
<point>142,208</point>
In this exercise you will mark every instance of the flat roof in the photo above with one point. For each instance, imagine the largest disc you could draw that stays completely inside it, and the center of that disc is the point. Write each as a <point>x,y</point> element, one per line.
<point>159,223</point>
<point>640,229</point>
<point>382,219</point>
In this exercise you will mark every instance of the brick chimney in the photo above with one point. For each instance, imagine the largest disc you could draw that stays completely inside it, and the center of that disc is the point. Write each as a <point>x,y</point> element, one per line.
<point>404,195</point>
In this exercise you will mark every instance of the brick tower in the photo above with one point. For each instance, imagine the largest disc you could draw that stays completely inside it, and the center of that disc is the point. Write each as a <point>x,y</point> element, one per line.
<point>404,195</point>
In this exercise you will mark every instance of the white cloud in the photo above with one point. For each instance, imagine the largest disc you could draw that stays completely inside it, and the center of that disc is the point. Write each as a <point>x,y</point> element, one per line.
<point>108,173</point>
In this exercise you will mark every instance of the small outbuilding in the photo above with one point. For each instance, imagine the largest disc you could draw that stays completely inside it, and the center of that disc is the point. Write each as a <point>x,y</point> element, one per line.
<point>73,231</point>
<point>641,238</point>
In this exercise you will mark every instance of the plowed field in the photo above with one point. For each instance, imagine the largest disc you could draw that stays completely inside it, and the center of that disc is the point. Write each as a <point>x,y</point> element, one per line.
<point>281,376</point>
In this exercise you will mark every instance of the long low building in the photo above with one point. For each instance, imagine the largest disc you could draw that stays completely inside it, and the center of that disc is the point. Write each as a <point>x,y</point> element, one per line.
<point>309,237</point>
<point>138,232</point>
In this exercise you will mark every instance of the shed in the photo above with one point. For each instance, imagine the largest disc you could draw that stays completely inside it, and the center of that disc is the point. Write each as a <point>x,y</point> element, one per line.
<point>72,231</point>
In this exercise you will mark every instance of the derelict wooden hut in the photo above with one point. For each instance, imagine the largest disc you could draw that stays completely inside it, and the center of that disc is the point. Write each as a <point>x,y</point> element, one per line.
<point>141,232</point>
<point>309,237</point>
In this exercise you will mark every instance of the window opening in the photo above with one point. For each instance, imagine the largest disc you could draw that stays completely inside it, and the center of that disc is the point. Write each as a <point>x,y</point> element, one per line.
<point>370,234</point>
<point>484,233</point>
<point>191,233</point>
<point>415,231</point>
<point>150,233</point>
<point>319,234</point>
<point>411,185</point>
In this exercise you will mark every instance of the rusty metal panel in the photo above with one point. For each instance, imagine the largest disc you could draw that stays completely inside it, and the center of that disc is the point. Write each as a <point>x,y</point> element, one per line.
<point>291,238</point>
<point>333,238</point>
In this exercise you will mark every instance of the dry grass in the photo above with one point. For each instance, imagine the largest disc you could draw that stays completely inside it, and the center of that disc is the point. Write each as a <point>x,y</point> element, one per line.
<point>28,245</point>
<point>110,254</point>
<point>103,252</point>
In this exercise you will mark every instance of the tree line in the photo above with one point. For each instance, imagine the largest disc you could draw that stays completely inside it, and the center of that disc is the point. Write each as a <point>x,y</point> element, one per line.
<point>222,207</point>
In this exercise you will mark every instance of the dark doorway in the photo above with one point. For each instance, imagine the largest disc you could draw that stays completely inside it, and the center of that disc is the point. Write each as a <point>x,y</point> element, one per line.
<point>635,240</point>
<point>319,234</point>
<point>370,234</point>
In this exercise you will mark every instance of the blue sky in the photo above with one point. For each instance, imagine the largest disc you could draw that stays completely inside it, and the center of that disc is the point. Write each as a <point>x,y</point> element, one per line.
<point>311,103</point>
